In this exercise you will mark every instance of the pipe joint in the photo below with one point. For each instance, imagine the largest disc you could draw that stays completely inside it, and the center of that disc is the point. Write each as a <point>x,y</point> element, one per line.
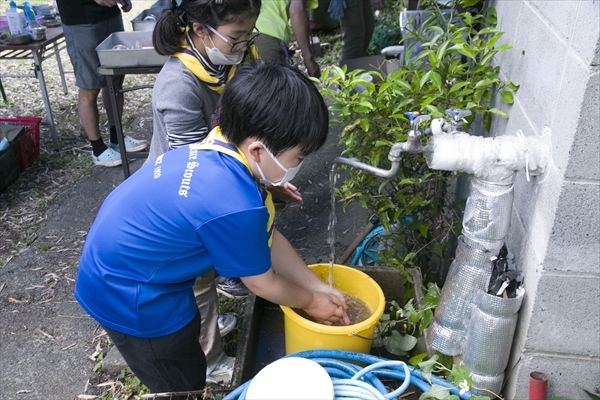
<point>396,152</point>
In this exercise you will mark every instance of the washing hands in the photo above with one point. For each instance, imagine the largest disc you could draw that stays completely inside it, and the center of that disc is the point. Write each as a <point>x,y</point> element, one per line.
<point>328,307</point>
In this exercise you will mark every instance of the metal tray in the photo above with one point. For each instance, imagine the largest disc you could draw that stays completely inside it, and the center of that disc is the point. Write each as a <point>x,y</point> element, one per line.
<point>139,24</point>
<point>138,52</point>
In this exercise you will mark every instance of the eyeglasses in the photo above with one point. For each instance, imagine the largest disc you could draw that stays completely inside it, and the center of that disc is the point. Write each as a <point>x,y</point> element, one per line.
<point>237,46</point>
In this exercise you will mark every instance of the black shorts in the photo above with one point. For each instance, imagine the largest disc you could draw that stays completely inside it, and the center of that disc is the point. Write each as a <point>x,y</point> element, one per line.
<point>172,363</point>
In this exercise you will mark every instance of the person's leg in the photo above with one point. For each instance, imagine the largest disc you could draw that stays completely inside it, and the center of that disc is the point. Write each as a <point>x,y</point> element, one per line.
<point>81,47</point>
<point>353,30</point>
<point>219,365</point>
<point>208,303</point>
<point>82,41</point>
<point>369,21</point>
<point>172,363</point>
<point>269,48</point>
<point>111,26</point>
<point>87,105</point>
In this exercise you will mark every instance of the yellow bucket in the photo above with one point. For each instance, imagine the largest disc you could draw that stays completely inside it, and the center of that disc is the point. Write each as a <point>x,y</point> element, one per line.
<point>302,334</point>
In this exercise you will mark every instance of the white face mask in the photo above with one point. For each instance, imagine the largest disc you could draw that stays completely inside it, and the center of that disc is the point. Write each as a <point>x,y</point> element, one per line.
<point>218,58</point>
<point>290,173</point>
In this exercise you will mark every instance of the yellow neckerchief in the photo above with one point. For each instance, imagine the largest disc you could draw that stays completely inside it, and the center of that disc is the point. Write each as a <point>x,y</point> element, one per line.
<point>191,62</point>
<point>217,142</point>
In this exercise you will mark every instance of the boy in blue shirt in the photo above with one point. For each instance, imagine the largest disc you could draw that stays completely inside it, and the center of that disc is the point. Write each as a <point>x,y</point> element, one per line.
<point>201,207</point>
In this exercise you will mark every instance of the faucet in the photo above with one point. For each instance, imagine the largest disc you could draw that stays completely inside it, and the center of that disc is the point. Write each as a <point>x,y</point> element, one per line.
<point>439,125</point>
<point>456,118</point>
<point>412,145</point>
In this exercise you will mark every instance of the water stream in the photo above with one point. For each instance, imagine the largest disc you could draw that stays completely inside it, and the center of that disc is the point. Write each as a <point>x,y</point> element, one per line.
<point>332,222</point>
<point>357,310</point>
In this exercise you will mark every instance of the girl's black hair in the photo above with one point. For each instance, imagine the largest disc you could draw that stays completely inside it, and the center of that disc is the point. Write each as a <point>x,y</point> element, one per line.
<point>276,104</point>
<point>170,27</point>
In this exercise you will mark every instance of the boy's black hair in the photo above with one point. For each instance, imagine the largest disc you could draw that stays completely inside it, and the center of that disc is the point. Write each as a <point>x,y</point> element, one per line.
<point>169,29</point>
<point>276,104</point>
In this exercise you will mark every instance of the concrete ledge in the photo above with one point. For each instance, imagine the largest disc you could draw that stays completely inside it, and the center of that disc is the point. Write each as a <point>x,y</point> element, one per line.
<point>113,362</point>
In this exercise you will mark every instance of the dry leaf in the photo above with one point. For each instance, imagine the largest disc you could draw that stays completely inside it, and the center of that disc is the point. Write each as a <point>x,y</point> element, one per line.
<point>109,383</point>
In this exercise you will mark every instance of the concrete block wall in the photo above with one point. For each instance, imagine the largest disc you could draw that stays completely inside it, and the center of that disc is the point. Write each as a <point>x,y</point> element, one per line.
<point>555,232</point>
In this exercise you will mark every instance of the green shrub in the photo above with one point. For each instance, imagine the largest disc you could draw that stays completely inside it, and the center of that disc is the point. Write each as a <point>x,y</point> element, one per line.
<point>452,70</point>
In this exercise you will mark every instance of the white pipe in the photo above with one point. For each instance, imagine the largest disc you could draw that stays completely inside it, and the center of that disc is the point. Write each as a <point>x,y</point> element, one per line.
<point>490,158</point>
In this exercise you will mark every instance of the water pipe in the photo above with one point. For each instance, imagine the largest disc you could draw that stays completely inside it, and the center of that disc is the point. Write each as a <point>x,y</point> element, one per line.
<point>489,158</point>
<point>492,163</point>
<point>538,386</point>
<point>412,145</point>
<point>350,381</point>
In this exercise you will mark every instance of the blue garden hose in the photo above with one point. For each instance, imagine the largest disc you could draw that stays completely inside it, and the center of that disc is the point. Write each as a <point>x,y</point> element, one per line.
<point>350,381</point>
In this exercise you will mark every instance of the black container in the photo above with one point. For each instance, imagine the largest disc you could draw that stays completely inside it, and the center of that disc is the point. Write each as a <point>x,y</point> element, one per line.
<point>9,157</point>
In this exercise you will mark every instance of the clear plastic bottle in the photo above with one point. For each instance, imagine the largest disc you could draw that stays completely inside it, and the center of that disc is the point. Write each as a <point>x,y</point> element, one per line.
<point>17,23</point>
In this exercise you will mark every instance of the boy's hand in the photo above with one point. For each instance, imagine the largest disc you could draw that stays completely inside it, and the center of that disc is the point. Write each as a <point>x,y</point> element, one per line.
<point>328,309</point>
<point>337,294</point>
<point>286,192</point>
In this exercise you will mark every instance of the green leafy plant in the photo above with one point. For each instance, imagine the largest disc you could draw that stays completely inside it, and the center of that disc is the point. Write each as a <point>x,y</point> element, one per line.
<point>453,70</point>
<point>399,329</point>
<point>456,374</point>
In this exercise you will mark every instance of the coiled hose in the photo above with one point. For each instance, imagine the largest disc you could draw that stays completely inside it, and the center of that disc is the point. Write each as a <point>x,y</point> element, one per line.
<point>350,381</point>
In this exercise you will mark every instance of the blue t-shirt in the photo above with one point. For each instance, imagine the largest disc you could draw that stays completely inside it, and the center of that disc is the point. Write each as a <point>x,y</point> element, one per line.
<point>175,219</point>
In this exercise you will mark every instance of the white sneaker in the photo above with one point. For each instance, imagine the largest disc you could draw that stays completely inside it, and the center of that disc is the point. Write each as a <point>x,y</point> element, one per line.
<point>226,323</point>
<point>131,144</point>
<point>108,158</point>
<point>220,371</point>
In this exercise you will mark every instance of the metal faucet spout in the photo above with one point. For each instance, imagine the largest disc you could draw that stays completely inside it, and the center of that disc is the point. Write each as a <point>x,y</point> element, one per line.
<point>382,173</point>
<point>394,156</point>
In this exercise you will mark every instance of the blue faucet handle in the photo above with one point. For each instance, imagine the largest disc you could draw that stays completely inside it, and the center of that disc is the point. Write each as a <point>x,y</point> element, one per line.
<point>457,114</point>
<point>411,115</point>
<point>415,118</point>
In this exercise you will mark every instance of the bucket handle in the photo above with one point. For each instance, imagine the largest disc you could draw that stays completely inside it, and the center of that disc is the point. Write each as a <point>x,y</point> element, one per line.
<point>359,336</point>
<point>362,337</point>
